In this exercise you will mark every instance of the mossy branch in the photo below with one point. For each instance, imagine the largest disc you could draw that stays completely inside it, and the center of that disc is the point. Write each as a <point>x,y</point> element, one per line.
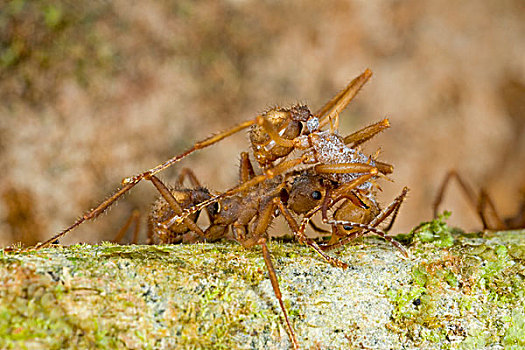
<point>467,294</point>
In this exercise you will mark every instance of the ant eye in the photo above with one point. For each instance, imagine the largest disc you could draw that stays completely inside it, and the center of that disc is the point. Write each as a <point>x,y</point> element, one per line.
<point>316,195</point>
<point>347,227</point>
<point>215,208</point>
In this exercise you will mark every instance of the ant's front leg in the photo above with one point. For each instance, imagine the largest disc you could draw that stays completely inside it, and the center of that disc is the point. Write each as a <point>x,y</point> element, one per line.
<point>392,210</point>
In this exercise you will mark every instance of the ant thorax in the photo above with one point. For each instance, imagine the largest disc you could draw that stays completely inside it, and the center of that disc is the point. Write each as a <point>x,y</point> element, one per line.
<point>329,148</point>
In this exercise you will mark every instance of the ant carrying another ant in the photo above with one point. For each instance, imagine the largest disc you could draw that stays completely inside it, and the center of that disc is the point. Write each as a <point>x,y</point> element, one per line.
<point>331,175</point>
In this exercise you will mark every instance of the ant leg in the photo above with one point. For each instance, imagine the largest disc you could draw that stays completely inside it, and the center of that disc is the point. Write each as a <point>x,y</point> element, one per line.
<point>133,219</point>
<point>277,291</point>
<point>346,168</point>
<point>174,205</point>
<point>246,171</point>
<point>317,228</point>
<point>199,145</point>
<point>270,173</point>
<point>188,173</point>
<point>260,228</point>
<point>130,182</point>
<point>366,229</point>
<point>339,102</point>
<point>384,168</point>
<point>484,200</point>
<point>366,133</point>
<point>89,216</point>
<point>391,210</point>
<point>464,186</point>
<point>299,233</point>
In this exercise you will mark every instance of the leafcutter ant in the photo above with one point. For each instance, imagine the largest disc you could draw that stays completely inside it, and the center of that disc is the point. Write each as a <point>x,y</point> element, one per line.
<point>274,135</point>
<point>244,212</point>
<point>483,205</point>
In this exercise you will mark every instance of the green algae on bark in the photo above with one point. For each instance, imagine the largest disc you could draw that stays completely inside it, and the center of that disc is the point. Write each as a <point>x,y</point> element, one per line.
<point>469,294</point>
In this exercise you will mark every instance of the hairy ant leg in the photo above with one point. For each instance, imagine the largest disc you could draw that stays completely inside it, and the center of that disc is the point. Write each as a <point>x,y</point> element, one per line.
<point>130,182</point>
<point>390,211</point>
<point>268,174</point>
<point>276,290</point>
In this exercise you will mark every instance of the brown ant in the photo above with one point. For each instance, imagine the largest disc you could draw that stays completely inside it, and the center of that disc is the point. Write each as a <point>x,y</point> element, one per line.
<point>483,205</point>
<point>274,135</point>
<point>244,212</point>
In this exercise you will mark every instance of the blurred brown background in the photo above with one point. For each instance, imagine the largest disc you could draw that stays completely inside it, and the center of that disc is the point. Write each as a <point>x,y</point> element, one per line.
<point>93,91</point>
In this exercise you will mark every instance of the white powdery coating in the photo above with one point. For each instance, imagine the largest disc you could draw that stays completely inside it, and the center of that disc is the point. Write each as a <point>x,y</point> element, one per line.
<point>312,124</point>
<point>331,149</point>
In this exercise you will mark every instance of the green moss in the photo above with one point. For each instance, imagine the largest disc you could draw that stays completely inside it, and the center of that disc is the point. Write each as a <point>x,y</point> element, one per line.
<point>467,272</point>
<point>219,295</point>
<point>436,232</point>
<point>515,335</point>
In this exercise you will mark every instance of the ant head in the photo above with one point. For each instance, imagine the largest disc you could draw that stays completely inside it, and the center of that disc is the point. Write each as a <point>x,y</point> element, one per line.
<point>300,113</point>
<point>307,191</point>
